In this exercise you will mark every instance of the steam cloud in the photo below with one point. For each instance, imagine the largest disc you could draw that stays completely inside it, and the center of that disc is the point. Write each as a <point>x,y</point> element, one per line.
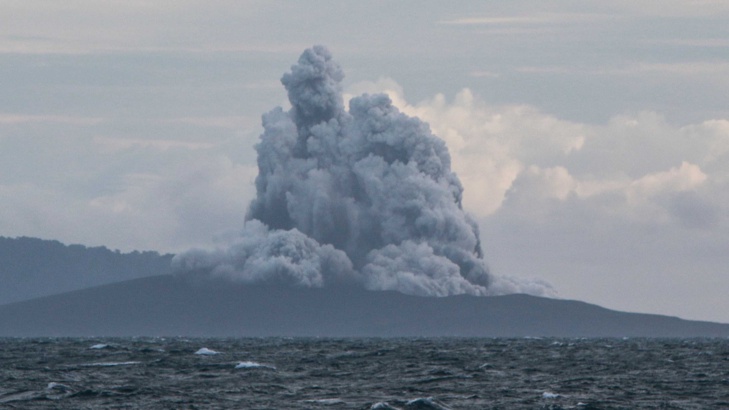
<point>364,196</point>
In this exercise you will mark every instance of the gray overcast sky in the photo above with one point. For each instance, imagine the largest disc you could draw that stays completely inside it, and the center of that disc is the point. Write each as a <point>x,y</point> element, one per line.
<point>592,137</point>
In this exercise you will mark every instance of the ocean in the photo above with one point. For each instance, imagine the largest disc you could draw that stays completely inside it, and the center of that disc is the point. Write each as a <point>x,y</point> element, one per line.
<point>412,374</point>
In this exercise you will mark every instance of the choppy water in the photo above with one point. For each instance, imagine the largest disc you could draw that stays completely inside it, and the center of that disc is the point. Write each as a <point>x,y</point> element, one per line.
<point>364,373</point>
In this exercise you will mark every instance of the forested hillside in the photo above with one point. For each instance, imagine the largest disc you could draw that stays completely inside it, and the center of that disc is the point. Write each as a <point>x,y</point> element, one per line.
<point>31,267</point>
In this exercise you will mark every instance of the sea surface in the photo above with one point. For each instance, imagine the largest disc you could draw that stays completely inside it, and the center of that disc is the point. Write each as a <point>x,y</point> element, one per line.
<point>281,373</point>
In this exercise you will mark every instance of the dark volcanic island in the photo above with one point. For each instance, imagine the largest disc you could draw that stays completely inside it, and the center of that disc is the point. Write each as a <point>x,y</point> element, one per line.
<point>357,229</point>
<point>177,306</point>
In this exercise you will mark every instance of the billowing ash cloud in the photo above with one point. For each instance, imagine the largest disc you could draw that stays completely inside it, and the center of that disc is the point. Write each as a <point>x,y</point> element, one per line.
<point>361,196</point>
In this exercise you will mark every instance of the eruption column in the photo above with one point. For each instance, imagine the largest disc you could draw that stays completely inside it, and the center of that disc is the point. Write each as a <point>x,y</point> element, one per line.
<point>364,196</point>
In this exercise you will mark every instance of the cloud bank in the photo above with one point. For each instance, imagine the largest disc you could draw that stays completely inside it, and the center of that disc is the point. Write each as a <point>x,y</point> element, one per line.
<point>364,195</point>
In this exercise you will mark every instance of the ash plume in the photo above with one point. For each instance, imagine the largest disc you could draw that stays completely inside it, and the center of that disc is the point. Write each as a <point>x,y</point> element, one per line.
<point>361,196</point>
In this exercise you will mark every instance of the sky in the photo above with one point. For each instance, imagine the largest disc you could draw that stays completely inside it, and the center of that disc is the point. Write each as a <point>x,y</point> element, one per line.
<point>591,137</point>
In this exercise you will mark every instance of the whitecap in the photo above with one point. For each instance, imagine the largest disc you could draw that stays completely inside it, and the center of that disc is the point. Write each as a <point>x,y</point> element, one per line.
<point>99,346</point>
<point>206,352</point>
<point>57,386</point>
<point>424,404</point>
<point>383,405</point>
<point>253,365</point>
<point>550,395</point>
<point>22,396</point>
<point>110,364</point>
<point>325,401</point>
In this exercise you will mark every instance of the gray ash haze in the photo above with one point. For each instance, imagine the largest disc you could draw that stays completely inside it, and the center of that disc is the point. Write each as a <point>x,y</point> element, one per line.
<point>364,195</point>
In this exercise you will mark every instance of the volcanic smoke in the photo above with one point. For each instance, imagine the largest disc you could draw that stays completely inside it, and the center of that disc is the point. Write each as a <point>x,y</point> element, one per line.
<point>361,196</point>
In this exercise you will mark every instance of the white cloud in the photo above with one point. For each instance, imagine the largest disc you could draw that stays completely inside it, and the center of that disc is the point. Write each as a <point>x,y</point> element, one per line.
<point>700,69</point>
<point>484,74</point>
<point>678,179</point>
<point>113,144</point>
<point>713,136</point>
<point>60,119</point>
<point>538,18</point>
<point>683,68</point>
<point>671,8</point>
<point>231,122</point>
<point>693,42</point>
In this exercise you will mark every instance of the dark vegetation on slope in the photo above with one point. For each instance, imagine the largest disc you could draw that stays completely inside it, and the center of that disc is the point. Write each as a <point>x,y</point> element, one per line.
<point>31,267</point>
